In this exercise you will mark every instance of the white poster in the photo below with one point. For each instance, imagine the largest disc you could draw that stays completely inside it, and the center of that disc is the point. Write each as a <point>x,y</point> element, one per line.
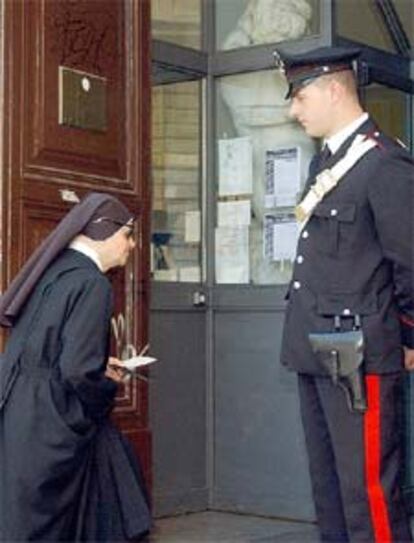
<point>234,213</point>
<point>190,274</point>
<point>282,177</point>
<point>280,237</point>
<point>232,254</point>
<point>192,227</point>
<point>235,166</point>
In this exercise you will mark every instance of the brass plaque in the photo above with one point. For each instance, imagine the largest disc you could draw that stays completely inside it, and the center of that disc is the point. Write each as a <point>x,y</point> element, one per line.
<point>82,100</point>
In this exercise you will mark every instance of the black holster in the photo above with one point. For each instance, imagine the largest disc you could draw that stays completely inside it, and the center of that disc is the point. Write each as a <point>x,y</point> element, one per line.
<point>340,355</point>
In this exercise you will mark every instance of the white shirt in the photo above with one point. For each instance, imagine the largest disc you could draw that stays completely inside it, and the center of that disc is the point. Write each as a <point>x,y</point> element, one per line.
<point>81,247</point>
<point>335,141</point>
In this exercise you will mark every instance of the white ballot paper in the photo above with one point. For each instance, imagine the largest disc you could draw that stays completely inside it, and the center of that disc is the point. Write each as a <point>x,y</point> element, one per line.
<point>282,177</point>
<point>137,362</point>
<point>232,254</point>
<point>234,213</point>
<point>280,236</point>
<point>235,166</point>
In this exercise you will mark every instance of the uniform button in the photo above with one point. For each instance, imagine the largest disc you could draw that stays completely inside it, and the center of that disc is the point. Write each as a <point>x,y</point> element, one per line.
<point>346,312</point>
<point>334,212</point>
<point>296,285</point>
<point>305,234</point>
<point>300,259</point>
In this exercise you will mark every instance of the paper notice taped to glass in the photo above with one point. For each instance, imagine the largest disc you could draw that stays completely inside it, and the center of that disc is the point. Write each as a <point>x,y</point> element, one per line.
<point>232,254</point>
<point>190,274</point>
<point>192,233</point>
<point>282,177</point>
<point>234,213</point>
<point>280,237</point>
<point>235,166</point>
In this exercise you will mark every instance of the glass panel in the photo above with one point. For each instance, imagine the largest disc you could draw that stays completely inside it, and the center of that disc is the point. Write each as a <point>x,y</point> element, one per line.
<point>176,229</point>
<point>263,159</point>
<point>177,21</point>
<point>361,21</point>
<point>241,23</point>
<point>405,11</point>
<point>390,109</point>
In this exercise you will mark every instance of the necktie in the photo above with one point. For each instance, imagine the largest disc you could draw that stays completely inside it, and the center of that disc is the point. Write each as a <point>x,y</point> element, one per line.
<point>318,161</point>
<point>324,156</point>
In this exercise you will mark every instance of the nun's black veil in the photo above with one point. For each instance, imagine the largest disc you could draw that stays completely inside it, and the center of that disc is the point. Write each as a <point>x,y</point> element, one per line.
<point>98,216</point>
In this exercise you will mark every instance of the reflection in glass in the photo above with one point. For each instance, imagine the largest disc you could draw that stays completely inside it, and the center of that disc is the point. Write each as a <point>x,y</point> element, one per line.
<point>360,20</point>
<point>176,230</point>
<point>241,23</point>
<point>405,11</point>
<point>177,21</point>
<point>252,112</point>
<point>390,109</point>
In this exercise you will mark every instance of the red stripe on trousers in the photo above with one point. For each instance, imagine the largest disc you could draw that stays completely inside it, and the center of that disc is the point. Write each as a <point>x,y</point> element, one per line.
<point>372,438</point>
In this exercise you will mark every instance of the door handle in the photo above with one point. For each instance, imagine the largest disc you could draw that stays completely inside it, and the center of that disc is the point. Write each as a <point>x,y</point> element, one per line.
<point>199,298</point>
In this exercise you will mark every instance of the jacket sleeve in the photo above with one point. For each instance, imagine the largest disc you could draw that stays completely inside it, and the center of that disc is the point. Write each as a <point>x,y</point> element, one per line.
<point>85,347</point>
<point>391,196</point>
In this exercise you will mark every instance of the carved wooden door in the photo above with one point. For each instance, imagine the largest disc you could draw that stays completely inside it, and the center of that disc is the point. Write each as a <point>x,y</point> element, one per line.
<point>74,112</point>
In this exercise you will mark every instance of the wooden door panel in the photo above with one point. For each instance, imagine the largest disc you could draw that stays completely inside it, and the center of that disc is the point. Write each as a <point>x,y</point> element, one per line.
<point>76,35</point>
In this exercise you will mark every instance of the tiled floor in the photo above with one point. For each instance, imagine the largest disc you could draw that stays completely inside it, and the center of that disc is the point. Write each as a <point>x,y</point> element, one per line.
<point>215,527</point>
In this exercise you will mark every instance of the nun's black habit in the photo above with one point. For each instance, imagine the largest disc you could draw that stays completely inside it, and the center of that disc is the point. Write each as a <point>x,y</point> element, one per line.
<point>66,474</point>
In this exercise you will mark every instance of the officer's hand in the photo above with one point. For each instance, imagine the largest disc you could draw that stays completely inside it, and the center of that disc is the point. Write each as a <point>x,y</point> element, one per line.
<point>409,359</point>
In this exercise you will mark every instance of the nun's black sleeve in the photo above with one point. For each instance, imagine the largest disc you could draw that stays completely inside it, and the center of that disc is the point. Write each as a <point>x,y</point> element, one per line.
<point>85,347</point>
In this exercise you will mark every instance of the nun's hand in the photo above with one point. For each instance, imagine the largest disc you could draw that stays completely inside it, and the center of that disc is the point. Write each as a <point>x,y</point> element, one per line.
<point>115,370</point>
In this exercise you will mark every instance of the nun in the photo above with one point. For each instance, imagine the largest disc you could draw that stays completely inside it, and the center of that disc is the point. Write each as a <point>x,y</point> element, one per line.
<point>66,473</point>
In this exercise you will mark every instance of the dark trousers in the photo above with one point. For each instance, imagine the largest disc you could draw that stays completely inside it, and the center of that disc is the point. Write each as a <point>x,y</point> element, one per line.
<point>355,460</point>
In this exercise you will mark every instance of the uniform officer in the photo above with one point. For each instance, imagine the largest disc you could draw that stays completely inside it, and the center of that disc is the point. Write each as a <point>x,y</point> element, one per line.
<point>353,270</point>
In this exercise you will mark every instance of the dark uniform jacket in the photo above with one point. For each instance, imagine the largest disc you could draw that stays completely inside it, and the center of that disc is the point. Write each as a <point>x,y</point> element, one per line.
<point>355,256</point>
<point>66,472</point>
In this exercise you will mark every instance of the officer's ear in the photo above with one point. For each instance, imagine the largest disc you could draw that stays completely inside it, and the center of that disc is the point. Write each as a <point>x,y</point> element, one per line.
<point>336,90</point>
<point>342,84</point>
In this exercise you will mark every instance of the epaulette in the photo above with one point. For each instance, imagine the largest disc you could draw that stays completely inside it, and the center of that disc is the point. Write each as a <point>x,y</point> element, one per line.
<point>376,136</point>
<point>381,139</point>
